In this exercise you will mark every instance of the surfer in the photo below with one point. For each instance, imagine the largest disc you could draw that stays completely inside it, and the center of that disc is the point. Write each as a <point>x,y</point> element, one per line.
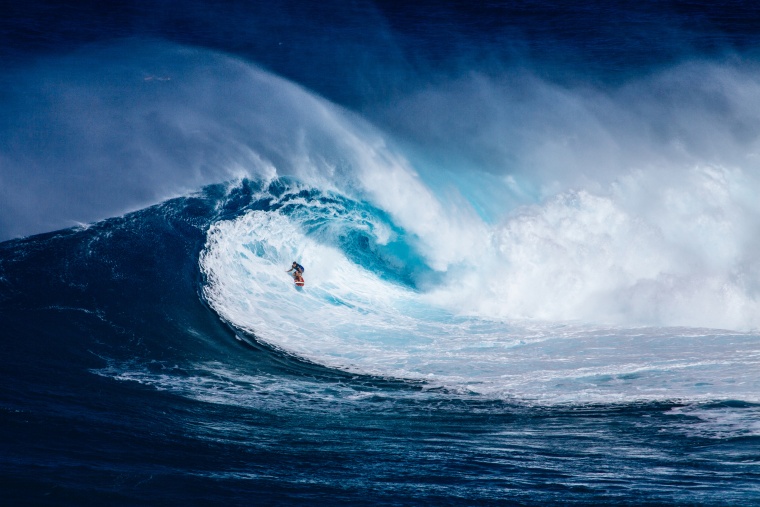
<point>297,273</point>
<point>297,267</point>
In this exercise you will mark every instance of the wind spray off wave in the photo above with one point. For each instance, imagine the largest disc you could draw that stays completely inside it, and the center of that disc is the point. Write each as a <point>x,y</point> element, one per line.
<point>521,198</point>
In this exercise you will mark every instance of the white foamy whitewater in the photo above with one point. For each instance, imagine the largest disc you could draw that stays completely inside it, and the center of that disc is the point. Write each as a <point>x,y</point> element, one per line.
<point>605,250</point>
<point>468,329</point>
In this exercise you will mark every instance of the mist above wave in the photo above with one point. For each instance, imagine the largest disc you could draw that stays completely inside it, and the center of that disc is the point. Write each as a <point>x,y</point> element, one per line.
<point>114,128</point>
<point>631,204</point>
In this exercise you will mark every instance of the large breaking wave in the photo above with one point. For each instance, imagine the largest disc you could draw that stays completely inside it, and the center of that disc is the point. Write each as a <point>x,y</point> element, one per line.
<point>372,305</point>
<point>445,233</point>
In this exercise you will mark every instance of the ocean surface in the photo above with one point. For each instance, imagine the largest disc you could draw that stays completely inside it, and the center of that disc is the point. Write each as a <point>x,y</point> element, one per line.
<point>530,233</point>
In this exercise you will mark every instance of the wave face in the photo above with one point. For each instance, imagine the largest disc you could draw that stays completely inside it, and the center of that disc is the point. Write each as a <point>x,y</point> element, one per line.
<point>529,237</point>
<point>372,305</point>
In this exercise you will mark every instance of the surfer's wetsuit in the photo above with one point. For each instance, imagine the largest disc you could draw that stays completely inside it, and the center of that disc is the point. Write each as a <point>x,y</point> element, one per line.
<point>297,267</point>
<point>298,275</point>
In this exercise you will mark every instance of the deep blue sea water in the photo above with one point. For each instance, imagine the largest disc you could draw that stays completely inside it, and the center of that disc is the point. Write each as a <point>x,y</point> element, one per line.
<point>529,232</point>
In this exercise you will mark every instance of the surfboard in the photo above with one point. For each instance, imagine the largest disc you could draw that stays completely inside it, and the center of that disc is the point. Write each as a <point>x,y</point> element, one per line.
<point>299,283</point>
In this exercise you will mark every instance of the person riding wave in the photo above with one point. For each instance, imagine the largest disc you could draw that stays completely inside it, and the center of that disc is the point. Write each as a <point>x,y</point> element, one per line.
<point>297,267</point>
<point>297,273</point>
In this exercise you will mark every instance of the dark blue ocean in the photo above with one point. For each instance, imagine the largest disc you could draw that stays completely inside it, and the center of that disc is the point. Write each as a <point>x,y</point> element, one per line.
<point>530,233</point>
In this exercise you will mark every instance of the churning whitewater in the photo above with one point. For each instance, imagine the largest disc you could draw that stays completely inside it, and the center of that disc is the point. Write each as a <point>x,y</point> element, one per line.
<point>373,306</point>
<point>509,285</point>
